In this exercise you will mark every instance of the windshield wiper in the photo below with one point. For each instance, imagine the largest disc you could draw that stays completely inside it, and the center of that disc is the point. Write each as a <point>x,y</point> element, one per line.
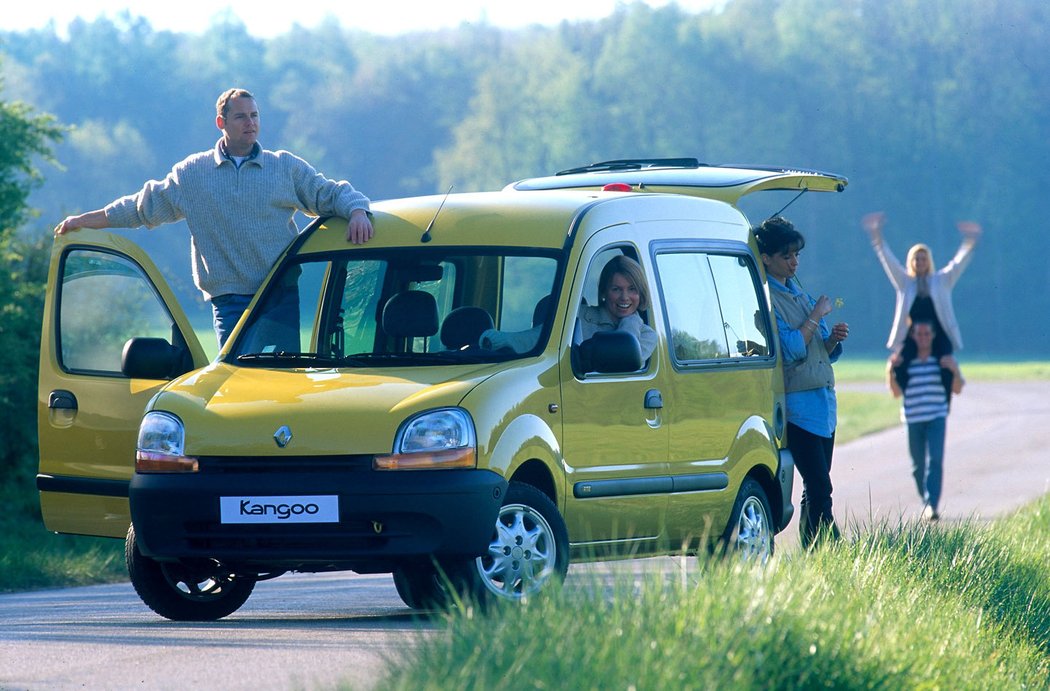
<point>287,356</point>
<point>439,357</point>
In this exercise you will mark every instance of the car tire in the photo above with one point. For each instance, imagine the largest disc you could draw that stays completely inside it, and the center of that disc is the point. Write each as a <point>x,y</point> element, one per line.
<point>529,549</point>
<point>749,534</point>
<point>182,592</point>
<point>420,586</point>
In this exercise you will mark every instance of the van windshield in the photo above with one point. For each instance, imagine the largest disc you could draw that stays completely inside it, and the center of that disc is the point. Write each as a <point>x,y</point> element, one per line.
<point>381,308</point>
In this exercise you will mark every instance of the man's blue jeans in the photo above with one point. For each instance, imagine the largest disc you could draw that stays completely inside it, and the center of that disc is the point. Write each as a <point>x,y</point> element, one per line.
<point>276,324</point>
<point>226,312</point>
<point>926,445</point>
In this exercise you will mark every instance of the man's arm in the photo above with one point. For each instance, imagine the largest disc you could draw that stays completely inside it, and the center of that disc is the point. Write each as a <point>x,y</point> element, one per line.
<point>91,219</point>
<point>320,196</point>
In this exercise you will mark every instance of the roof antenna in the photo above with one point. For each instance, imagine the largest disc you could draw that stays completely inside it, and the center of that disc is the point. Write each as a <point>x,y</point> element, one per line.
<point>426,233</point>
<point>795,199</point>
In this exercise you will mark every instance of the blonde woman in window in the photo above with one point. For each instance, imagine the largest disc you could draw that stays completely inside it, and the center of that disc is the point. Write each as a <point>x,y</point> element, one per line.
<point>622,293</point>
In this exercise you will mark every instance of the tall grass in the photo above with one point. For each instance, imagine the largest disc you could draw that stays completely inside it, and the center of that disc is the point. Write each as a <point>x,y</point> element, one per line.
<point>911,606</point>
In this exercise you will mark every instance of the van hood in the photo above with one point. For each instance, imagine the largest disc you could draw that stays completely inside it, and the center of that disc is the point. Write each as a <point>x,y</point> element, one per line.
<point>237,411</point>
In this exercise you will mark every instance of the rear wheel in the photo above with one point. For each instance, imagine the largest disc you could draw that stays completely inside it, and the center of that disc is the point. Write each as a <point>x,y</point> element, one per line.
<point>749,534</point>
<point>201,591</point>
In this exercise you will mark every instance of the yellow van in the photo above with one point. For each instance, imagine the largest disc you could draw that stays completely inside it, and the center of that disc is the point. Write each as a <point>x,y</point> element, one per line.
<point>430,404</point>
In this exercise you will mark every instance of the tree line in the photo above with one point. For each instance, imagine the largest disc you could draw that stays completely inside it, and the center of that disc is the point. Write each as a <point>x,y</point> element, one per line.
<point>936,110</point>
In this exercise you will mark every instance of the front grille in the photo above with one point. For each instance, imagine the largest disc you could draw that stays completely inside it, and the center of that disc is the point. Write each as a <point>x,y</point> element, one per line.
<point>342,538</point>
<point>283,464</point>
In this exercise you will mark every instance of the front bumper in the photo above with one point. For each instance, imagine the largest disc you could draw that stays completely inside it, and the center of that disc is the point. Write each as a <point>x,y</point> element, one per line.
<point>384,517</point>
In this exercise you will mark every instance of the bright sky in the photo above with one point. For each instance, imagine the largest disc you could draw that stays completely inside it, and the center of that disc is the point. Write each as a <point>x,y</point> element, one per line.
<point>267,18</point>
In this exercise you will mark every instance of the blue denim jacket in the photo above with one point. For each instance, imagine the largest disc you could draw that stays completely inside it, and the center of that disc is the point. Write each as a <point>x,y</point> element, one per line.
<point>814,410</point>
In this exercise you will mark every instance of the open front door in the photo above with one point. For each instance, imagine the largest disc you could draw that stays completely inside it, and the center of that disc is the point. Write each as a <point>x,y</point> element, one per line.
<point>101,291</point>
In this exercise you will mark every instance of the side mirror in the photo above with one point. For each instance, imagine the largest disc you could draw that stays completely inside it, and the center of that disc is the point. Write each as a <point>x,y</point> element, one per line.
<point>609,352</point>
<point>151,358</point>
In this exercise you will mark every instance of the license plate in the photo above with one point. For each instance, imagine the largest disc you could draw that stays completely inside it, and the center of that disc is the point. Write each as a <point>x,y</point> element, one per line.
<point>298,509</point>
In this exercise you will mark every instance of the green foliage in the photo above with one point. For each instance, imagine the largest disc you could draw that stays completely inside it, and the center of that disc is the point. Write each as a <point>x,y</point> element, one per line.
<point>23,273</point>
<point>935,110</point>
<point>907,606</point>
<point>25,137</point>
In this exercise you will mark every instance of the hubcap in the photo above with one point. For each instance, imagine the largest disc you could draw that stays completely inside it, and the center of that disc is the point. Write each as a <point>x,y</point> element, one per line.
<point>754,539</point>
<point>522,555</point>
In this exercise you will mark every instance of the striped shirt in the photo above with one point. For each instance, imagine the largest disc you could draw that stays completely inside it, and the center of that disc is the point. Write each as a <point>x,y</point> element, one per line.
<point>924,396</point>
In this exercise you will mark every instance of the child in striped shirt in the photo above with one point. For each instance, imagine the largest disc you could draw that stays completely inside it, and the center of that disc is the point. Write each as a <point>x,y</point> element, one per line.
<point>926,384</point>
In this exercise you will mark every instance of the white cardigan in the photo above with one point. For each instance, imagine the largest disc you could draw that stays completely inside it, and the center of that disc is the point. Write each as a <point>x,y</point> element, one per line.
<point>940,284</point>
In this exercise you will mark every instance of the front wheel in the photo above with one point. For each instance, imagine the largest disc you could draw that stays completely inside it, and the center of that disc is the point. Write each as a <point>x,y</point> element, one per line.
<point>750,531</point>
<point>422,585</point>
<point>203,591</point>
<point>529,548</point>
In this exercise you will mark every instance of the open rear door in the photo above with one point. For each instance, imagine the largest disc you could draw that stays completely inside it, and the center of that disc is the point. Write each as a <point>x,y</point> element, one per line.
<point>102,290</point>
<point>685,176</point>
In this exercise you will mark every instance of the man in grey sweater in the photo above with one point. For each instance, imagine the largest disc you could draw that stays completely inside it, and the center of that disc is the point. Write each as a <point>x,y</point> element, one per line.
<point>239,201</point>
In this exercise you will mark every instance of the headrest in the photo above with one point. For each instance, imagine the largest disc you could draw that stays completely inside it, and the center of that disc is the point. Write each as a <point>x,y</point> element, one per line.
<point>410,314</point>
<point>463,327</point>
<point>543,307</point>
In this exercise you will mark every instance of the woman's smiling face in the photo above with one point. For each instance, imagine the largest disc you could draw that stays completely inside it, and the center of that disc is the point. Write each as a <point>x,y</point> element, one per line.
<point>621,297</point>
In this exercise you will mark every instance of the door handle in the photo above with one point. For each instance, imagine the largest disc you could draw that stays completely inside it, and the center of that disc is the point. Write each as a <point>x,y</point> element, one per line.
<point>654,400</point>
<point>60,399</point>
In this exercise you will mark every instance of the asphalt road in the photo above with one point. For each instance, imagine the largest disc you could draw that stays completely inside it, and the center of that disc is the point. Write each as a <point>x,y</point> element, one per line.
<point>315,631</point>
<point>997,458</point>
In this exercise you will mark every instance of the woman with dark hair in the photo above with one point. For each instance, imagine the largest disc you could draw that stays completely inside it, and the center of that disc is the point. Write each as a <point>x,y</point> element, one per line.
<point>809,346</point>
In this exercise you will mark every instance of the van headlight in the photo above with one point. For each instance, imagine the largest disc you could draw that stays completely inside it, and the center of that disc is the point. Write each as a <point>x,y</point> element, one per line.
<point>162,440</point>
<point>436,439</point>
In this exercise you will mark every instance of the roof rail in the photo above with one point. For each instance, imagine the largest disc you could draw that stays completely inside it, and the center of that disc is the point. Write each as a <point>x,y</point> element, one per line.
<point>634,164</point>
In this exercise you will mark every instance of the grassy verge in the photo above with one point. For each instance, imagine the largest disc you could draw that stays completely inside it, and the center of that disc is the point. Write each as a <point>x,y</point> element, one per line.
<point>862,412</point>
<point>907,606</point>
<point>868,369</point>
<point>31,557</point>
<point>870,407</point>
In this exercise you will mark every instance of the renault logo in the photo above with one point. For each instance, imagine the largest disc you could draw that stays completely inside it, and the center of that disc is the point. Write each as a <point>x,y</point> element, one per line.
<point>282,436</point>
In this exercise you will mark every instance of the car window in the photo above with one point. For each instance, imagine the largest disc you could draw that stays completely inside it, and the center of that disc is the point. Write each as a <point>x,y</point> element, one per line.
<point>712,306</point>
<point>105,299</point>
<point>746,323</point>
<point>528,280</point>
<point>418,307</point>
